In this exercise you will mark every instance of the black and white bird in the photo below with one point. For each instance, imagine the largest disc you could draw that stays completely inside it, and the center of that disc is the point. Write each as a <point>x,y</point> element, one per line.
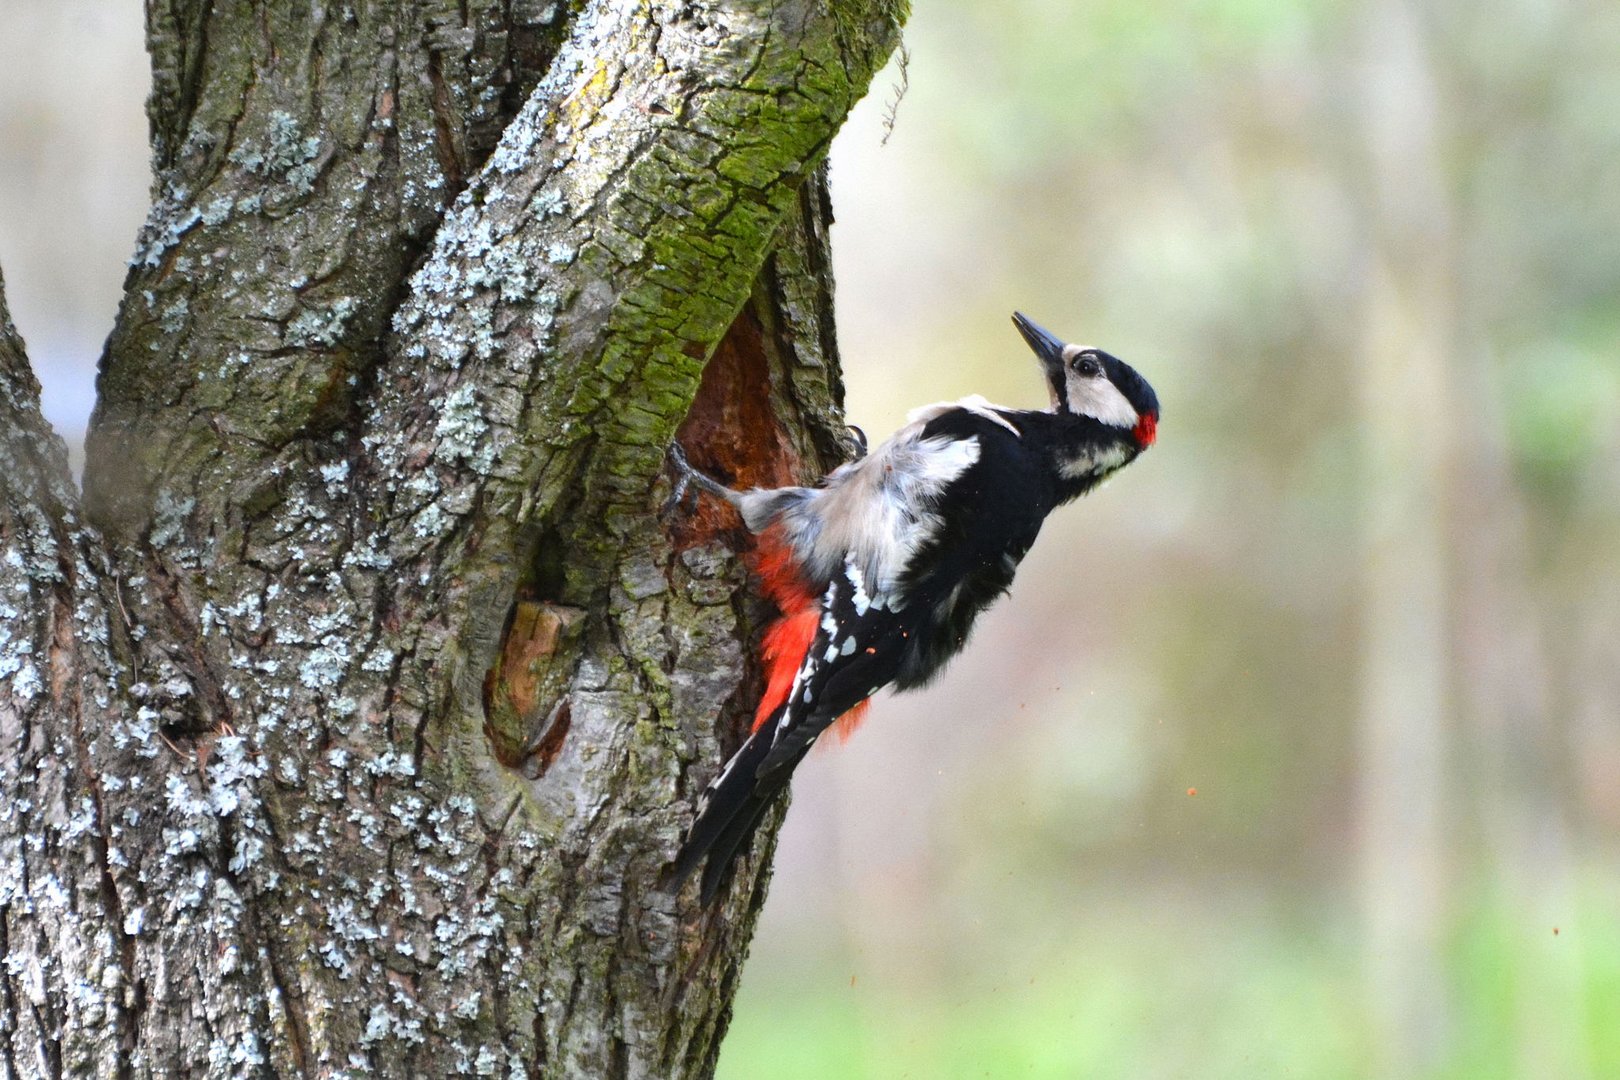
<point>880,570</point>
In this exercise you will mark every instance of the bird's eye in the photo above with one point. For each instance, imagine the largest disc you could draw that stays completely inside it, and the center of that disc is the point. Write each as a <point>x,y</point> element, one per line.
<point>1088,365</point>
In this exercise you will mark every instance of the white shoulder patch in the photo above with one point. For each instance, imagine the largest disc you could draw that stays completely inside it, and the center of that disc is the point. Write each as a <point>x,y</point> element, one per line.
<point>872,514</point>
<point>973,403</point>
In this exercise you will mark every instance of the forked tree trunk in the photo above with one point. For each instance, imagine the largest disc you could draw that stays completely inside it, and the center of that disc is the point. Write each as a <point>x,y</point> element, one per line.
<point>350,724</point>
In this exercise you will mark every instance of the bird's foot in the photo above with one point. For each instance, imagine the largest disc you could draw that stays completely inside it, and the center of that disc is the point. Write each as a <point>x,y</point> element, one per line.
<point>681,495</point>
<point>688,482</point>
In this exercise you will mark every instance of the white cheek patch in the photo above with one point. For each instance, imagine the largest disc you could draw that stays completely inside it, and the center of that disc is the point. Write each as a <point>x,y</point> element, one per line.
<point>1101,400</point>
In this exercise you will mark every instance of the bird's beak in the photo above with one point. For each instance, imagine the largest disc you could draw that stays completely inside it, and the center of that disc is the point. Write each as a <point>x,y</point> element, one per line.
<point>1048,348</point>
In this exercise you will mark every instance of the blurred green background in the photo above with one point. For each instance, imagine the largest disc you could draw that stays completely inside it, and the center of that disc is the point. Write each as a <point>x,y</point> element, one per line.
<point>1296,749</point>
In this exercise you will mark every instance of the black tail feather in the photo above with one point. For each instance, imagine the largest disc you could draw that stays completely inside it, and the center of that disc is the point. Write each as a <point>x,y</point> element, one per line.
<point>733,842</point>
<point>729,813</point>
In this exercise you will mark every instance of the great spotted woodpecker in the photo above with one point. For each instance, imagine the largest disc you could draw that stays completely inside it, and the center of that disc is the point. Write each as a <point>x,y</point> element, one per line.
<point>879,571</point>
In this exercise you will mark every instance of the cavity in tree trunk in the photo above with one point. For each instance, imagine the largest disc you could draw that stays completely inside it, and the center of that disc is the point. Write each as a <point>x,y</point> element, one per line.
<point>349,723</point>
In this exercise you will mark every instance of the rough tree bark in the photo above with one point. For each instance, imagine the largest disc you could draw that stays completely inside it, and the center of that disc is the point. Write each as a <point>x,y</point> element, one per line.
<point>350,724</point>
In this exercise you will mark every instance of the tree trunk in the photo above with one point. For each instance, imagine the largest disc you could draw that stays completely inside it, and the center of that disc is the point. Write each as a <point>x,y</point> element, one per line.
<point>352,723</point>
<point>1405,367</point>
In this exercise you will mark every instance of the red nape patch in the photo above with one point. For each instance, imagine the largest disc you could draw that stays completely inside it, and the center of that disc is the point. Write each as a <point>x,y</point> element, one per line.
<point>788,638</point>
<point>1147,429</point>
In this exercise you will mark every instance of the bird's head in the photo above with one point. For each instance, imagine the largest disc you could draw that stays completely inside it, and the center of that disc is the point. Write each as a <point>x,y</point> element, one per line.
<point>1089,382</point>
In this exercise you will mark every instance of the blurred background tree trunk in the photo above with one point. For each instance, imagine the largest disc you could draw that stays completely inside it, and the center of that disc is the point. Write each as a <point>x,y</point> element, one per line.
<point>352,720</point>
<point>1460,748</point>
<point>1407,395</point>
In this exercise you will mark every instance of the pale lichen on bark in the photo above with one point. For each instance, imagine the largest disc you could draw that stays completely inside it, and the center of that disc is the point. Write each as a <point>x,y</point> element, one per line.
<point>381,388</point>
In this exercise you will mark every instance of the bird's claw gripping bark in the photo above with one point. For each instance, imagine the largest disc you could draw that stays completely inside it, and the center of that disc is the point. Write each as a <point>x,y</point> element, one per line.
<point>688,482</point>
<point>681,495</point>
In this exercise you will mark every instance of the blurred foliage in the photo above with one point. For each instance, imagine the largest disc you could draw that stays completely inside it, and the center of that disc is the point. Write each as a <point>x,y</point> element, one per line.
<point>1207,986</point>
<point>1009,875</point>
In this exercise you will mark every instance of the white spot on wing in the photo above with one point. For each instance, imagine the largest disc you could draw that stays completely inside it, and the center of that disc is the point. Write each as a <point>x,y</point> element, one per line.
<point>853,571</point>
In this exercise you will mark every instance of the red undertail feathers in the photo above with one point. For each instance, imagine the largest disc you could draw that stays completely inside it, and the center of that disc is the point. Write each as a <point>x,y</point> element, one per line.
<point>789,636</point>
